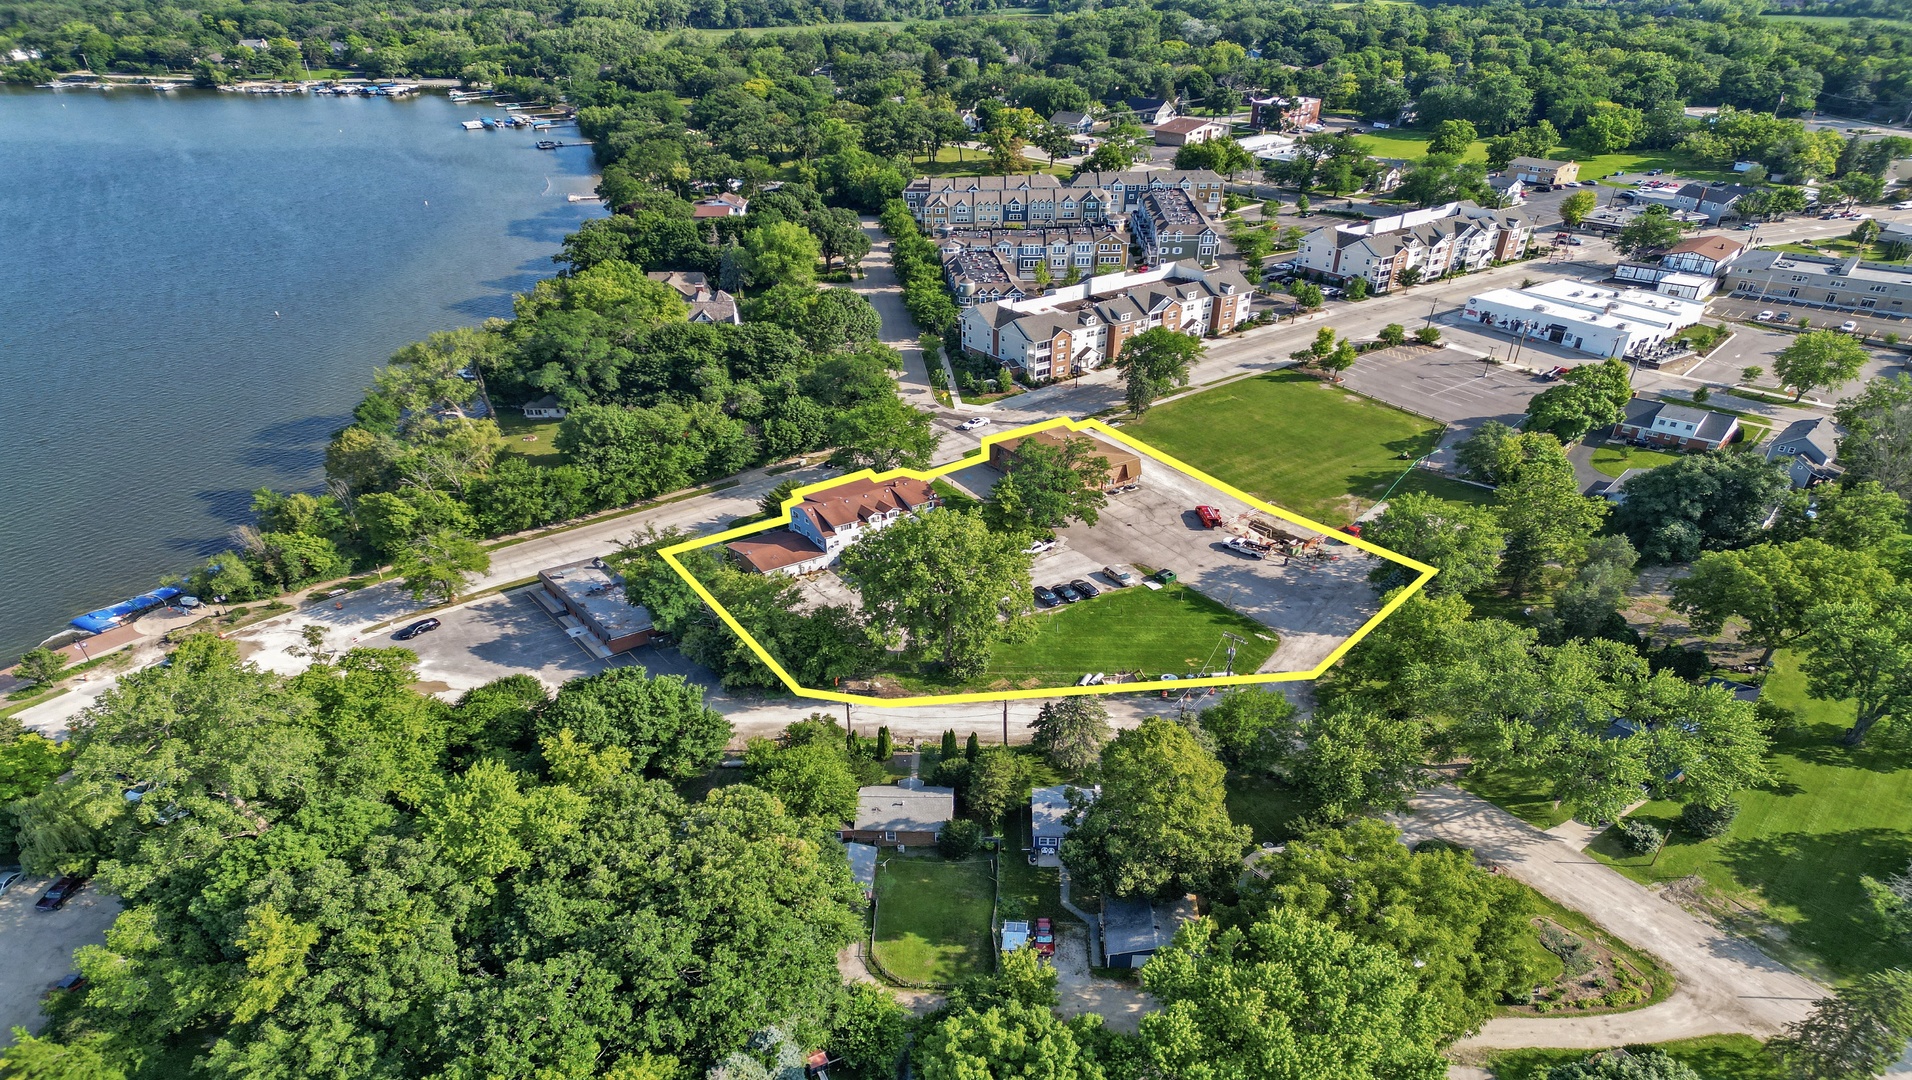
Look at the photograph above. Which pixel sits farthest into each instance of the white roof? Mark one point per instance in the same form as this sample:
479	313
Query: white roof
1590	305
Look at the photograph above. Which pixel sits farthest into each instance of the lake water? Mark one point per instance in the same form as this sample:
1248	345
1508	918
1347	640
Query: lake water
194	288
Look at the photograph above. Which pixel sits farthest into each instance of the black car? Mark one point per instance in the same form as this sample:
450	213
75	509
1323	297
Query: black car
1046	597
422	626
1088	590
1068	593
60	892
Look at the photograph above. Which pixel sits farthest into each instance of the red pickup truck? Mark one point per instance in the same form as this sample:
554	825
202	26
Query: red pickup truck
1211	517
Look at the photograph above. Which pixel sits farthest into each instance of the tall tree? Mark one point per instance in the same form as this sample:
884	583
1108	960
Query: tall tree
1154	362
1774	588
1463	542
661	722
882	434
1287	996
1070	732
943	582
1046	486
1588	397
1160	823
1819	359
1862	652
1253	728
1857	1033
1541	510
1700	502
437	567
1877	444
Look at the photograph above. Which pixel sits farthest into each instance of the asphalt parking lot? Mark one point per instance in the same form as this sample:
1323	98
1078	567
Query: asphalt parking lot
39	945
1312	604
1822	318
1453	385
507	634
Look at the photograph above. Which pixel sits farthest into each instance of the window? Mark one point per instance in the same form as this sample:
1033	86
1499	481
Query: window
889	836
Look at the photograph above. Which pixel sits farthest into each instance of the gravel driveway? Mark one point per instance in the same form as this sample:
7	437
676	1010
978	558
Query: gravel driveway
1120	1004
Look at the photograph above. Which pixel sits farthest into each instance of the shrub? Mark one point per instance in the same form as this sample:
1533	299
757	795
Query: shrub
1639	837
1427	335
959	838
1706	822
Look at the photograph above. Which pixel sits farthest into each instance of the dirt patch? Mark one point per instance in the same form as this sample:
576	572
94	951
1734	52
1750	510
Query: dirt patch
1592	979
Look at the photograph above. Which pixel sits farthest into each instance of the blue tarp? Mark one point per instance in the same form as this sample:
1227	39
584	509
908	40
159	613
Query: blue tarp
106	618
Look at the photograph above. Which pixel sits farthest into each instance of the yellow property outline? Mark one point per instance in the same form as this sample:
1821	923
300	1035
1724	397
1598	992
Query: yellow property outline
982	456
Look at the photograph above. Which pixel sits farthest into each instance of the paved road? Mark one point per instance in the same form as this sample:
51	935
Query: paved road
1726	985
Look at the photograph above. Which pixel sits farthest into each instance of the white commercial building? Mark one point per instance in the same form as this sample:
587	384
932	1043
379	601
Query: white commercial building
1585	318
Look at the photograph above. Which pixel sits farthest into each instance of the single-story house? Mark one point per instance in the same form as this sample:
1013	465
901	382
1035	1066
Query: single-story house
1049	809
1125	466
1683	426
1150	111
1187	130
1132	930
907	814
1511	188
1740	691
588	601
1812	447
1075	123
725	204
544	408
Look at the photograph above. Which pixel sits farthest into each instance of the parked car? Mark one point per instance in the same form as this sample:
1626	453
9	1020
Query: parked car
1283	266
1784	316
422	626
1068	594
1352	530
7	877
1086	588
1039	547
1046	597
1209	516
1906	205
973	423
60	892
1764	316
1122	577
70	982
1848	327
1045	937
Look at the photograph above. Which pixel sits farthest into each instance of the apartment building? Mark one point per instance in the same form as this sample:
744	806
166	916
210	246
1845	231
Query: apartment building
1533	170
1279	113
1170	227
828	521
1042	199
1081	327
1454	237
1846	284
985	265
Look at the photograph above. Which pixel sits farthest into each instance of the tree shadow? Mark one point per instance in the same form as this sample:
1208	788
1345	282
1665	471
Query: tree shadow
496	301
1820	745
1818	875
292	448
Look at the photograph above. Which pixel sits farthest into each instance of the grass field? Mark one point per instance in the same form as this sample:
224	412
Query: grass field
932	917
1300	443
1411	145
1834	20
1801	844
1028	892
1839	247
542	448
1518	792
1175	630
962	161
1715	1057
1614	460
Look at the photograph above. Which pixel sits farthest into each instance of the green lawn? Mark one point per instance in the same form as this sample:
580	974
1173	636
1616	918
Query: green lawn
533	439
1802	843
1299	443
932	917
1616	459
1715	1057
1270	808
1174	630
1028	892
962	161
1517	791
1840	247
1411	145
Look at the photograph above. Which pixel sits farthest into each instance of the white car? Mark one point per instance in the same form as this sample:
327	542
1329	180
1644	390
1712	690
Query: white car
1848	326
973	423
1906	205
1764	316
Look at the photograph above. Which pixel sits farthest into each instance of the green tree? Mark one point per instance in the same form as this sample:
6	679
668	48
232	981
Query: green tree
1352	761
998	783
1700	502
1589	396
781	253
29	762
1253	728
1160	823
1393	335
1307	295
813	779
1003	1042
1819	358
1575	207
1224	156
1877	445
1070	732
1463	542
1859	1032
1440	178
943	582
1048	486
1469	932
1154	362
40	667
1773	588
1654	230
1287	996
1544	516
882	434
1862	652
437	567
662	722
1651	1065
1861	516
1452	137
1589	606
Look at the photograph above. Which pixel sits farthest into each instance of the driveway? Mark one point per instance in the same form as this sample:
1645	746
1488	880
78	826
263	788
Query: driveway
1726	985
39	946
1120	1004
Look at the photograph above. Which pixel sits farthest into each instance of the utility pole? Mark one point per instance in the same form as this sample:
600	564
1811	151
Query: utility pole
1005	722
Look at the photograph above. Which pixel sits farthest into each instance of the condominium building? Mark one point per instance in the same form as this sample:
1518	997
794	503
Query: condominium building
1845	284
1079	328
1126	189
1169	227
1454	237
991	202
986	265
